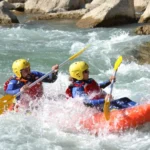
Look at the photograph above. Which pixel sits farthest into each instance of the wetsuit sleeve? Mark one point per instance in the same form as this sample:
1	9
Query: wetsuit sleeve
104	84
12	88
79	92
50	79
94	102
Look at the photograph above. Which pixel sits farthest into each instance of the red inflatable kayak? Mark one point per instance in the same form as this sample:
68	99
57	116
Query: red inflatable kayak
120	120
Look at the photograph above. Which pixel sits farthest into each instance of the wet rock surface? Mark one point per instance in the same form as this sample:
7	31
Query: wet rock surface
143	53
143	30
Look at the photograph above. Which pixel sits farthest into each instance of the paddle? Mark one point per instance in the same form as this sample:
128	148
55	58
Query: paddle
107	101
7	100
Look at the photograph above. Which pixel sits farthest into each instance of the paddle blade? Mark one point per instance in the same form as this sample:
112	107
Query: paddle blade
78	53
106	109
117	63
5	102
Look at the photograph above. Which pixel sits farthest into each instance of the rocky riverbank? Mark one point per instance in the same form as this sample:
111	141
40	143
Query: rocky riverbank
88	13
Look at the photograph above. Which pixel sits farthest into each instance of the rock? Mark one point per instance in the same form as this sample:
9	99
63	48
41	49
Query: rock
7	5
145	17
143	54
16	1
7	17
94	4
76	14
109	13
140	5
18	6
47	6
143	30
17	13
12	6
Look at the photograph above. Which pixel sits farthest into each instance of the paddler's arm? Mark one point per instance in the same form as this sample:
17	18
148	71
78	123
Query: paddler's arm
52	76
106	83
12	88
78	92
94	102
97	102
12	92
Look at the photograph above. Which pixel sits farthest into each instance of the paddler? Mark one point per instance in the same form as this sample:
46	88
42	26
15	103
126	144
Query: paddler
90	91
23	77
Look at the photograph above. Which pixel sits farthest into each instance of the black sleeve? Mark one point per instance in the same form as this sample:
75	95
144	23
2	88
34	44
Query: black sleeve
51	79
104	84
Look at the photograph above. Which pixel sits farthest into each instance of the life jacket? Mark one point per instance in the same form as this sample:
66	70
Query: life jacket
6	83
90	88
69	91
33	92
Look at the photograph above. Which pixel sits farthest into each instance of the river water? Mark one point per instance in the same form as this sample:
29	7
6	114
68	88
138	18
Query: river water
46	43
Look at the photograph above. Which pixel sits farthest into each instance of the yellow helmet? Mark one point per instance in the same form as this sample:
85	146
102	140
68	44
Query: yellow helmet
76	69
18	65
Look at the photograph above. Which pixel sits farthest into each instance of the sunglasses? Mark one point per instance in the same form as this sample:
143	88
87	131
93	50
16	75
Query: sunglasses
86	71
26	69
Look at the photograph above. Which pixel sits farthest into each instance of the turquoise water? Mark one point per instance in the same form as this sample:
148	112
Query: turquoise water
47	43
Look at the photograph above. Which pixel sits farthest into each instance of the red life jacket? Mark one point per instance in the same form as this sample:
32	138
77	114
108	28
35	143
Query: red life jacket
69	92
89	88
33	92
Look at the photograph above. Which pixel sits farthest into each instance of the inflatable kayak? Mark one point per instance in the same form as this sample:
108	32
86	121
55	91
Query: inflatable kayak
120	120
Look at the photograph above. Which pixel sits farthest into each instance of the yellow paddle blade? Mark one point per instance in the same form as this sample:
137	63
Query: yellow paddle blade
107	101
107	110
5	102
78	53
117	63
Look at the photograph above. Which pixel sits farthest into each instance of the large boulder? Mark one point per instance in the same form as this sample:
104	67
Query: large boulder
7	17
94	4
140	5
145	30
109	13
53	5
145	17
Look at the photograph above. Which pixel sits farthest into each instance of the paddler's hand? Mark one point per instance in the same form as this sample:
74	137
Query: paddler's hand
24	88
112	78
55	68
108	96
